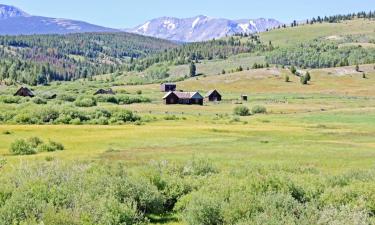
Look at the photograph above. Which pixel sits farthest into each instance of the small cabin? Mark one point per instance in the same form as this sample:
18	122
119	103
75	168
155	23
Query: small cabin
104	92
185	98
213	96
167	87
24	92
244	98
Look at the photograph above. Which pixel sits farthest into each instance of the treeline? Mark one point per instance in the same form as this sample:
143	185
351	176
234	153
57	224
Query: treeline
342	17
193	52
38	59
321	54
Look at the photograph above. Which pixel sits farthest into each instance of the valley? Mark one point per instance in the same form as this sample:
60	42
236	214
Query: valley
89	138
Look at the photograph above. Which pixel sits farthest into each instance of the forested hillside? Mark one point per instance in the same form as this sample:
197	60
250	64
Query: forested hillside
37	59
215	49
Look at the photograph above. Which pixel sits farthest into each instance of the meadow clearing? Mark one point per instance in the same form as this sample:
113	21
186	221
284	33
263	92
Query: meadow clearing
327	124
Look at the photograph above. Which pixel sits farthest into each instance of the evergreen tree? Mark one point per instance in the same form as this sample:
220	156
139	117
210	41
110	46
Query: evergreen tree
193	69
308	76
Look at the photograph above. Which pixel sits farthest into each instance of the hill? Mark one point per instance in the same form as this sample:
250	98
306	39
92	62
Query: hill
290	36
36	59
14	21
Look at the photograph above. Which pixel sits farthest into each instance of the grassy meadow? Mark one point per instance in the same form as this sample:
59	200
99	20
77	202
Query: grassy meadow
131	159
326	124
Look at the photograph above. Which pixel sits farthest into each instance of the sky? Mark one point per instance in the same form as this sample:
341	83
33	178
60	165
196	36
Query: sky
129	13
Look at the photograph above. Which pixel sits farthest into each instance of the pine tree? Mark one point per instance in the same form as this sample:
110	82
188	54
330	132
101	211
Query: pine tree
193	69
308	76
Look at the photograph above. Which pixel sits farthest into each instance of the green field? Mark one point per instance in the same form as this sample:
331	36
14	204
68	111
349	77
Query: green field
131	159
330	31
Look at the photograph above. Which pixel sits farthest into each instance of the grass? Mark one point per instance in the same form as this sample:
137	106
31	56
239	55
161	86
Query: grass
292	35
327	124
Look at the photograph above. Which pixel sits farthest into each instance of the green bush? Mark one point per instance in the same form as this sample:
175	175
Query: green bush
35	141
258	109
21	147
123	115
51	146
66	97
241	111
11	99
85	102
39	101
47	114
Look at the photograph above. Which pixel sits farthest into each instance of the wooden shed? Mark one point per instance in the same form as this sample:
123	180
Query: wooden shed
186	98
213	96
167	87
104	92
24	92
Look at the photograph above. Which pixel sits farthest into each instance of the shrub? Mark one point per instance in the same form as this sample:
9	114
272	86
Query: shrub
293	70
204	209
39	101
258	109
66	97
51	146
35	141
308	76
21	147
11	99
2	163
286	78
47	114
304	80
25	118
107	98
241	111
85	102
122	115
139	92
7	132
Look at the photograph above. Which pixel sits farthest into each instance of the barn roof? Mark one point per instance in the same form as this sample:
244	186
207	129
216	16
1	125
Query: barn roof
211	92
24	91
184	95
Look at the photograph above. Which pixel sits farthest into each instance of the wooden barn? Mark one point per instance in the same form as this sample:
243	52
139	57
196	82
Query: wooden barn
167	87
186	98
213	96
104	92
24	92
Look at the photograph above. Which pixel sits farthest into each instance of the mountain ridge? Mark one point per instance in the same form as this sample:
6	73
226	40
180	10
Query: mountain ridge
14	21
201	28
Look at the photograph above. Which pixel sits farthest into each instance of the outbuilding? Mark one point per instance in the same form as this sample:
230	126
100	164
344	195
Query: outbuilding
24	92
167	87
213	96
104	92
186	98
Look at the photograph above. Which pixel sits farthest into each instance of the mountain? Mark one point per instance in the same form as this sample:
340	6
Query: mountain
201	28
14	21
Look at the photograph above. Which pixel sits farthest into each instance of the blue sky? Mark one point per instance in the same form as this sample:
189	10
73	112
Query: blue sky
128	13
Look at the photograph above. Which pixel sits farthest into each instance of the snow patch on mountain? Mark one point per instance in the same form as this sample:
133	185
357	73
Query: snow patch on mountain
195	22
144	27
169	25
7	12
201	28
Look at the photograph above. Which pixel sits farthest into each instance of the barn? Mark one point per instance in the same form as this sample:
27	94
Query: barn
104	92
213	96
186	98
167	87
24	92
